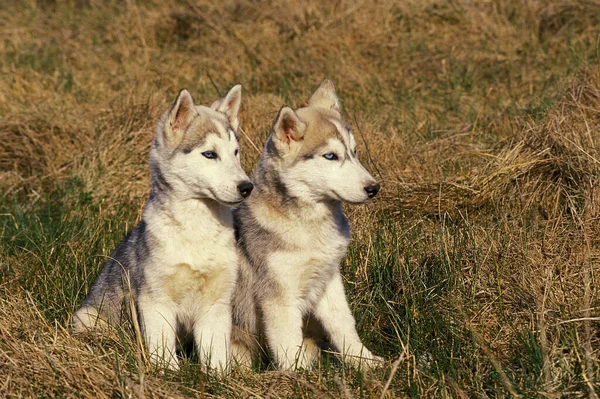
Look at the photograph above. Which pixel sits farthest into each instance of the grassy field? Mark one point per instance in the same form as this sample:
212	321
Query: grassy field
476	273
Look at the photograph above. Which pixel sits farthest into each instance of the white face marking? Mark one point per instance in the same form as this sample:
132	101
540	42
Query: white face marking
212	169
342	178
233	139
346	135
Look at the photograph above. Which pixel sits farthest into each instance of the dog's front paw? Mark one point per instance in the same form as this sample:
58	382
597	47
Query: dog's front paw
375	361
163	364
366	360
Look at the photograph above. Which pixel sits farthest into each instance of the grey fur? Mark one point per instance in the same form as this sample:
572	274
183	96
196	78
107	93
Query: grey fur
159	184
110	288
255	282
179	264
292	236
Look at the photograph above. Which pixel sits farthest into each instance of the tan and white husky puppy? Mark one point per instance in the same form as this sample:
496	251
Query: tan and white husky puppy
293	235
180	262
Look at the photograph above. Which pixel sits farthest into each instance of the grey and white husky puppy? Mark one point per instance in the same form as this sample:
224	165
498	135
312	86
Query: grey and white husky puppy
292	236
180	263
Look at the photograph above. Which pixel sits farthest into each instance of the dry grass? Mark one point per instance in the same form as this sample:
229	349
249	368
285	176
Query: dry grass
550	164
475	273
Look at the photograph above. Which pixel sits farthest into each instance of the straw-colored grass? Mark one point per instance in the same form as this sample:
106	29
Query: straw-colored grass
475	273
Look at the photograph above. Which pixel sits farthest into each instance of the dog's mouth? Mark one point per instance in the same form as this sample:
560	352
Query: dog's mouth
213	196
230	204
225	203
338	197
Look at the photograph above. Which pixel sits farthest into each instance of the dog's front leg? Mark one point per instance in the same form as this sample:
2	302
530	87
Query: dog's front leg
283	329
333	312
159	323
212	334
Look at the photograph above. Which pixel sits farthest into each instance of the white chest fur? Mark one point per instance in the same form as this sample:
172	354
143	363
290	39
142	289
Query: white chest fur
310	254
196	257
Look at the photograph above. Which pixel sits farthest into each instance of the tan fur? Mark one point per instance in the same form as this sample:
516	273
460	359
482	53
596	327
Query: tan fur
293	236
320	129
197	132
185	281
180	262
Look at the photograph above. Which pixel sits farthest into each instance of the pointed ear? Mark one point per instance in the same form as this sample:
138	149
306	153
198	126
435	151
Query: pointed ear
230	105
325	96
181	114
288	127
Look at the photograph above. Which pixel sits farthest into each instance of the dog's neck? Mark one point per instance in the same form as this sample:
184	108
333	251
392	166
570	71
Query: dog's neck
189	211
264	195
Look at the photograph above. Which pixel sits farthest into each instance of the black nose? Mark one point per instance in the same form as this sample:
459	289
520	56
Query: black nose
372	190
245	188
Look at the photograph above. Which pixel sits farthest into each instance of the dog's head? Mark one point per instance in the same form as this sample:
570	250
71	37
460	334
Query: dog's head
196	150
314	152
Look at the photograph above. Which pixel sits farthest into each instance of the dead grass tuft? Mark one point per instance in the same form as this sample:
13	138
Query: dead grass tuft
551	165
476	269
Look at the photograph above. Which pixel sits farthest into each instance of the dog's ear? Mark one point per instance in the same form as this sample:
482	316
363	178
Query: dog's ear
325	96
181	114
230	105
288	128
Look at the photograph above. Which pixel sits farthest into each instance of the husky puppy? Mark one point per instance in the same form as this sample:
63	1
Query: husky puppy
292	236
179	264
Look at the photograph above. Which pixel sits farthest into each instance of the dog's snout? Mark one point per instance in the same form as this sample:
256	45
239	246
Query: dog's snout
372	189
245	188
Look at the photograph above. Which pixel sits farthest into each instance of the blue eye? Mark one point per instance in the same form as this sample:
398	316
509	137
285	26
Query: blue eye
330	156
209	154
